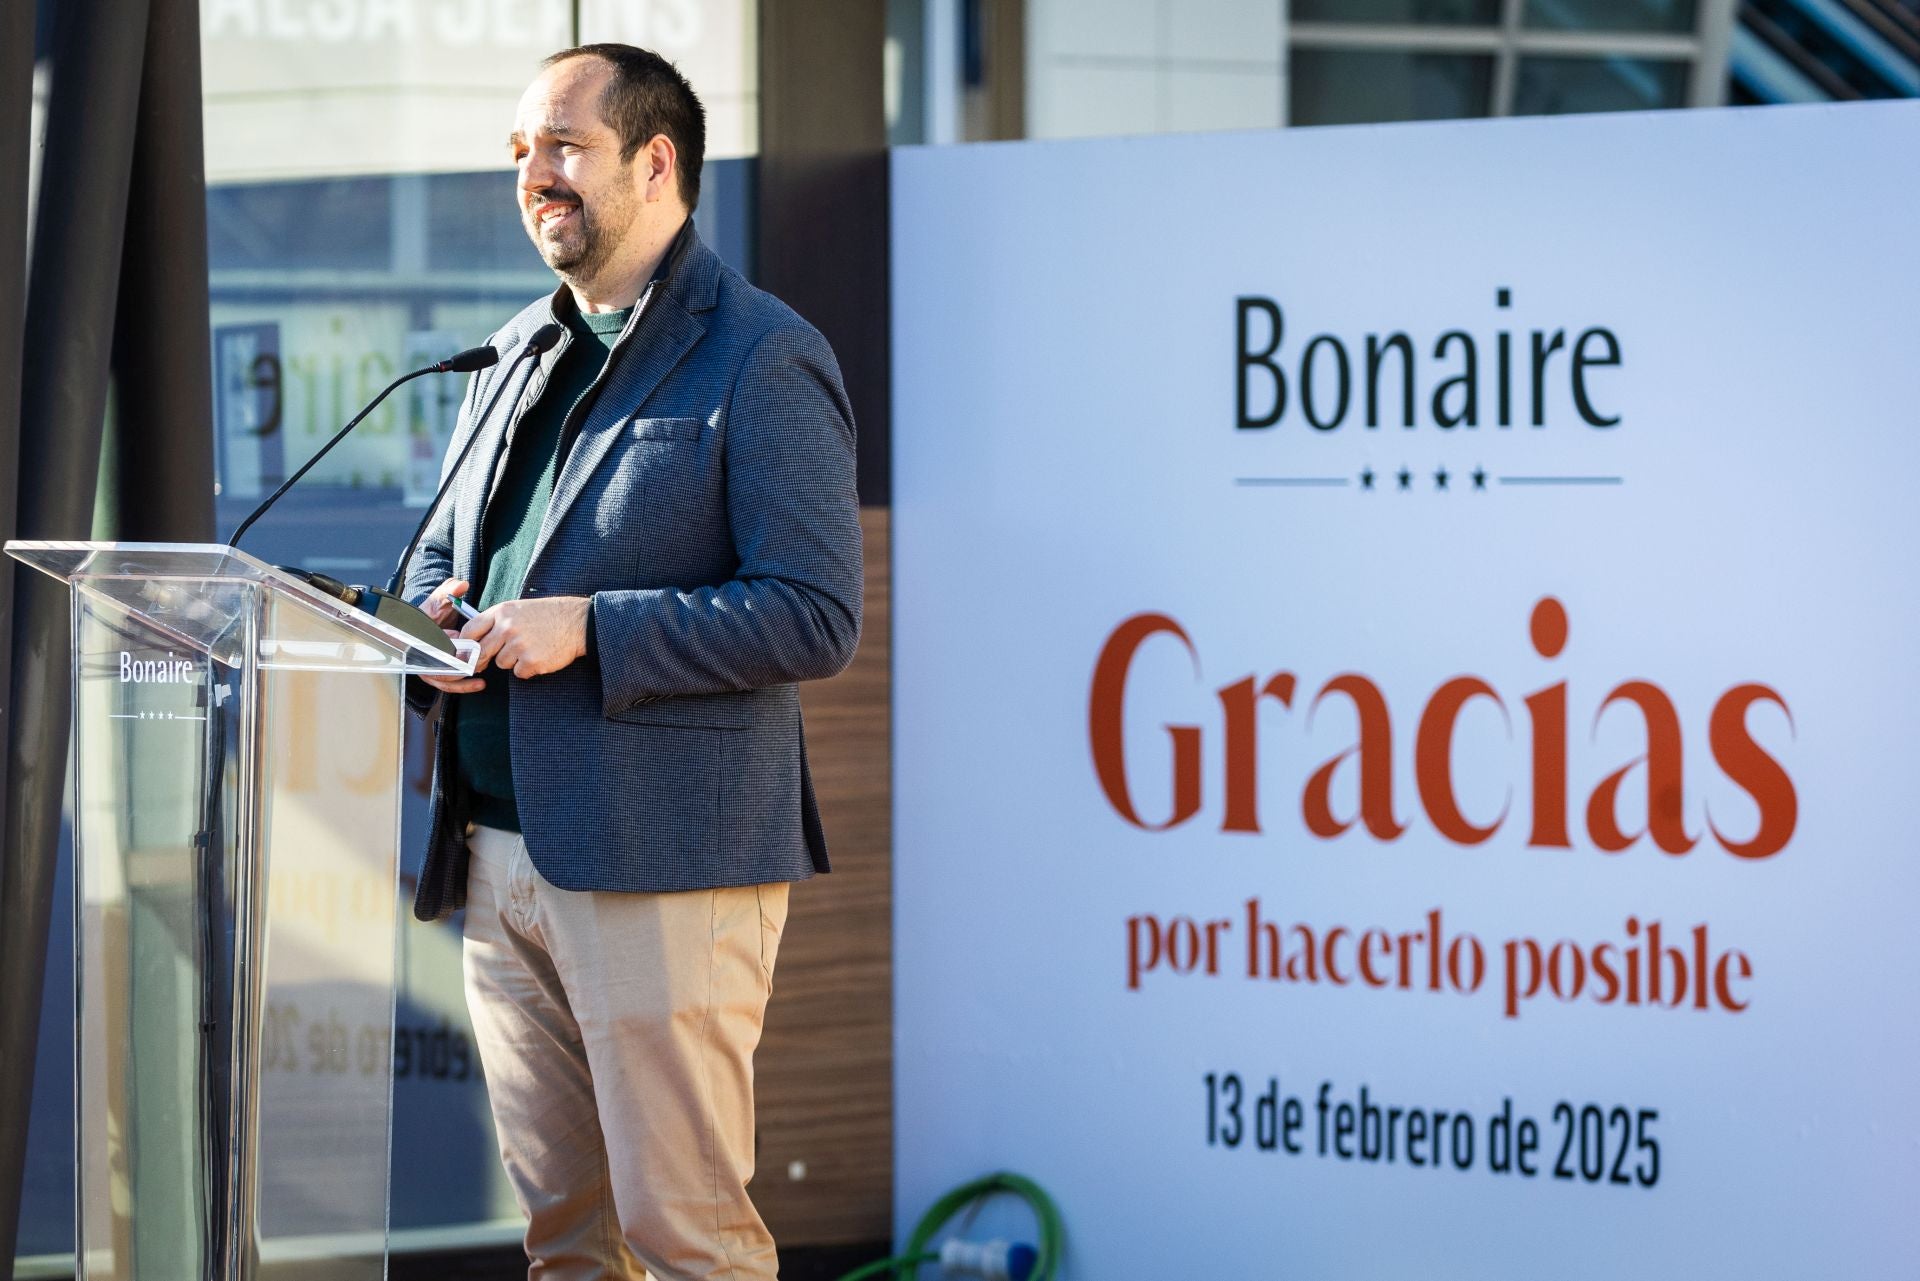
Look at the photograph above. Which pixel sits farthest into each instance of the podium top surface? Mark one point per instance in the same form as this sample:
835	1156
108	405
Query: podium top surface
208	597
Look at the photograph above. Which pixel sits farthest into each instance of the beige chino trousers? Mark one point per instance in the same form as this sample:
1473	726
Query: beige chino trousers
616	1032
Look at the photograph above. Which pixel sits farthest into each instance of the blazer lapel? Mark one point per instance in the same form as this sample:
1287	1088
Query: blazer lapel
663	337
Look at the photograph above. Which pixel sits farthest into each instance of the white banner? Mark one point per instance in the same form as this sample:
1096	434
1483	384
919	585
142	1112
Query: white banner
1403	673
317	88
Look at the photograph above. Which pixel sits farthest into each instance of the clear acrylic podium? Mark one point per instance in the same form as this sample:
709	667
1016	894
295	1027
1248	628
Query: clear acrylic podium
237	772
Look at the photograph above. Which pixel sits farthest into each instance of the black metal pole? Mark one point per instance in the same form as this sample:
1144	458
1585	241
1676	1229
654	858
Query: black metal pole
16	113
16	1051
162	358
73	282
161	483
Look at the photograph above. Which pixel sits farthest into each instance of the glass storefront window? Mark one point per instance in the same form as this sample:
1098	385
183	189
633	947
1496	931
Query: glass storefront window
1563	86
1363	86
323	291
1483	13
1612	15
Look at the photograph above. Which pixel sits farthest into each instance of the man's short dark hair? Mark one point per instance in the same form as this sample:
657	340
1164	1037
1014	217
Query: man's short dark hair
649	96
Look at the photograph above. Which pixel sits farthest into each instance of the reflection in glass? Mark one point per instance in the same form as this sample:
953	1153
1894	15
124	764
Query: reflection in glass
1446	12
334	223
1612	15
1563	86
904	66
146	1069
1354	86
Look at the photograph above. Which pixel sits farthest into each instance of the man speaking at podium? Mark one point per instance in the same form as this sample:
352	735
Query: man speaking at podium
660	535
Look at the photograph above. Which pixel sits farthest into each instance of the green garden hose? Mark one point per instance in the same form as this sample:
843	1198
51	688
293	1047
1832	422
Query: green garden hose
906	1265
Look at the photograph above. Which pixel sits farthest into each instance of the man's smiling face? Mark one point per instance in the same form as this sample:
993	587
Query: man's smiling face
578	197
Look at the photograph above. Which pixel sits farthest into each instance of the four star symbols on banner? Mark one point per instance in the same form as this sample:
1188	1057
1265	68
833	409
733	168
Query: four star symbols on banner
1405	478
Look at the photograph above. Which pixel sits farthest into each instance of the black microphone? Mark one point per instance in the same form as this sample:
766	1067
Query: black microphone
542	340
465	362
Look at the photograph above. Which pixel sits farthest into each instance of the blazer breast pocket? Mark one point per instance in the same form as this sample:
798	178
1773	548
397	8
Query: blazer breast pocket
693	711
665	428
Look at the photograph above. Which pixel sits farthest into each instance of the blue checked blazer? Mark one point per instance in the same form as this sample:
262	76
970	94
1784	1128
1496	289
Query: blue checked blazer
707	507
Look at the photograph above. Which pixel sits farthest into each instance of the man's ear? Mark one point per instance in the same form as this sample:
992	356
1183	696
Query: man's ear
661	166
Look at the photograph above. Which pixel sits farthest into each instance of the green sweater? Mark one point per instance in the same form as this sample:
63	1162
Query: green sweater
514	515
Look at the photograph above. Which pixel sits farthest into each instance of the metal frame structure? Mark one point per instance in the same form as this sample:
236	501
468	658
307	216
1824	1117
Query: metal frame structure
1704	48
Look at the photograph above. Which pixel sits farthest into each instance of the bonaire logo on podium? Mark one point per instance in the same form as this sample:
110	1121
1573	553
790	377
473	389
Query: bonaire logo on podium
170	670
1547	721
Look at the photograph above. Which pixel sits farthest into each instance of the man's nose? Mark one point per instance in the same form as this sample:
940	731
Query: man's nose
538	172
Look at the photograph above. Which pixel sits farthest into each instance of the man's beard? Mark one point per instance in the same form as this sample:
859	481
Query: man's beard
579	253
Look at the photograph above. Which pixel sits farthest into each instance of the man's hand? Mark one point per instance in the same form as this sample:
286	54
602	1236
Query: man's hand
531	637
439	607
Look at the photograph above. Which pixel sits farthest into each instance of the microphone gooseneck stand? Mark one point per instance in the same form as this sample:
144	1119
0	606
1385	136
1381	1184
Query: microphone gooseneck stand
474	358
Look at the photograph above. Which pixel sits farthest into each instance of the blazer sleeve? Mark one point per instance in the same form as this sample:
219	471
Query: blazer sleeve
792	610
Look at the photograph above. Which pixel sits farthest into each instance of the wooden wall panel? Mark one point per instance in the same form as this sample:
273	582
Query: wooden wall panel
825	1067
